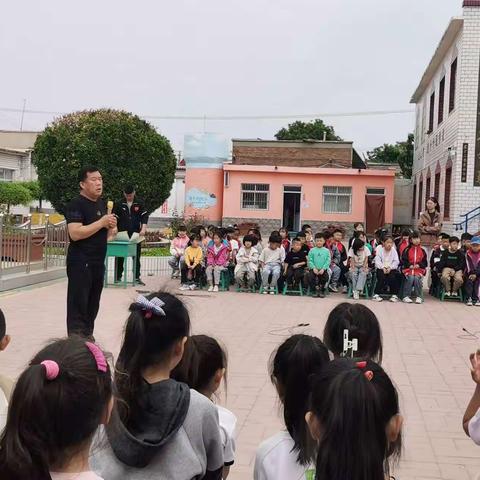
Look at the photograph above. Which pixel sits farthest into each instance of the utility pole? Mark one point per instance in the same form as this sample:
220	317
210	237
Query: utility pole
23	114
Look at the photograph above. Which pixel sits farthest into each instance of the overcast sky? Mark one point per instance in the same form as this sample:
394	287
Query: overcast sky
221	57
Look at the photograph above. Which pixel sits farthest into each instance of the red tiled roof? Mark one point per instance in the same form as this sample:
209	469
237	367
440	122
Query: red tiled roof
471	3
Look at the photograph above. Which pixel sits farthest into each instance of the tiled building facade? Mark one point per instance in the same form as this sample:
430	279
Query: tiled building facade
447	158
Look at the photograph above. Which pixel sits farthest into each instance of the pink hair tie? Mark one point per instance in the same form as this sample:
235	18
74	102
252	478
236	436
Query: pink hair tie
98	355
51	369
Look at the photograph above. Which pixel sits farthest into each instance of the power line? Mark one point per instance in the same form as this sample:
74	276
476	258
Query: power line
235	117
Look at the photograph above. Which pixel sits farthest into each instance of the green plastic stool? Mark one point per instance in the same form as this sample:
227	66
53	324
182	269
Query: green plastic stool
294	291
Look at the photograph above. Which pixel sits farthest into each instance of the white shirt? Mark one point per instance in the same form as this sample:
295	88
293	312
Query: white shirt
228	423
276	461
359	260
3	410
384	259
474	428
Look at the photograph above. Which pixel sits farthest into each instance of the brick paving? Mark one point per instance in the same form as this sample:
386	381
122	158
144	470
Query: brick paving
423	354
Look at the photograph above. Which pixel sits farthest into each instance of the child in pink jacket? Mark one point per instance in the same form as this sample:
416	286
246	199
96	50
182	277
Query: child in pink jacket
217	261
177	250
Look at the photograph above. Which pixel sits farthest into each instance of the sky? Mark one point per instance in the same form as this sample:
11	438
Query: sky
231	58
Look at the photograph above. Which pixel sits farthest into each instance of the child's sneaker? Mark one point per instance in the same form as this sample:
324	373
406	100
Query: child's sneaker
419	300
477	303
470	302
394	299
454	294
333	288
377	298
265	290
215	288
210	288
321	294
356	295
272	291
448	294
407	300
184	287
192	286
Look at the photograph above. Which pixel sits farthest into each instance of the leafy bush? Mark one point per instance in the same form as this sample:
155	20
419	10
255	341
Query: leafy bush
125	148
156	252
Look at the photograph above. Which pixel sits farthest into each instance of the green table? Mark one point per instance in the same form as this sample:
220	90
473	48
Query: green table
116	249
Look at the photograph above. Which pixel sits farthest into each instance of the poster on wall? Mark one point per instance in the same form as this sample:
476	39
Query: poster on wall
206	150
200	199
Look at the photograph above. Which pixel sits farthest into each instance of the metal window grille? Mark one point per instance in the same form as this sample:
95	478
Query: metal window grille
337	199
255	196
375	191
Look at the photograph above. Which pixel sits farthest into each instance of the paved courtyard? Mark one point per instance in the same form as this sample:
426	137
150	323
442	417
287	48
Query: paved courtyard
423	349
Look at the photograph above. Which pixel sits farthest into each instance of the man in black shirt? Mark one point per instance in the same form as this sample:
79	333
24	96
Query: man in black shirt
89	228
132	217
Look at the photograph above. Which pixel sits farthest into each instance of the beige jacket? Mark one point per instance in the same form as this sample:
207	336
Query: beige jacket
429	229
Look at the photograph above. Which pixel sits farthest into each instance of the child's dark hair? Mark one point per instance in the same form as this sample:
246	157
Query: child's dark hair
256	232
337	230
357	244
202	359
327	234
305	227
148	340
466	236
353	403
361	324
250	238
320	235
406	232
387	237
219	233
283	229
301	235
296	239
274	239
414	234
356	224
453	239
195	237
55	408
3	325
444	236
181	228
291	367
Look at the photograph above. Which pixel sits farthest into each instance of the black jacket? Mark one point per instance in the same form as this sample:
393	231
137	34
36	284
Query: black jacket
455	261
130	220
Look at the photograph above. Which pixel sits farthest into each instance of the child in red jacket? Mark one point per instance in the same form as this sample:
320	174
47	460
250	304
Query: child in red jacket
414	262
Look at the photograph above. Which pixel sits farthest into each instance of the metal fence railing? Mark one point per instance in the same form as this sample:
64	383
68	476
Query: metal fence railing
150	266
25	246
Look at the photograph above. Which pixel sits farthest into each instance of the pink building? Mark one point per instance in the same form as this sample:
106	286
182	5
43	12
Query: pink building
290	183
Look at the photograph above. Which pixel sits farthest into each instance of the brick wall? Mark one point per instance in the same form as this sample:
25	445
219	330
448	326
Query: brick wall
303	155
265	225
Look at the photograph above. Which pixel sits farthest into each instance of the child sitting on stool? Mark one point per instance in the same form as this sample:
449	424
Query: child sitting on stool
319	262
247	263
295	263
271	260
451	266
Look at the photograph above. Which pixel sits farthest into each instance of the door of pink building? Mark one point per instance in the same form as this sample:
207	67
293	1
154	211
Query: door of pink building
374	212
292	199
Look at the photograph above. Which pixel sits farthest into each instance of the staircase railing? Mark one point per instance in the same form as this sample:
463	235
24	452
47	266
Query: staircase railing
469	216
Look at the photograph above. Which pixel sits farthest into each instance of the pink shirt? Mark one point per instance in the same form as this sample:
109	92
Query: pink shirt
75	476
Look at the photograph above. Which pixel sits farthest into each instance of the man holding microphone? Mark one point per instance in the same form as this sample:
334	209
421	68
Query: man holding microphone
132	218
90	226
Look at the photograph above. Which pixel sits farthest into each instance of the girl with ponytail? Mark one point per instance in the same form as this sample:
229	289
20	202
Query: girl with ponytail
159	427
289	454
354	416
56	407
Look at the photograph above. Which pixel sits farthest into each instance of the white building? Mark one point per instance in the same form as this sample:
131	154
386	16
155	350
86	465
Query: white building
447	154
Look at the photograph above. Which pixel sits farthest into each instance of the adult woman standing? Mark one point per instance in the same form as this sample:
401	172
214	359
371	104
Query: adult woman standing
430	224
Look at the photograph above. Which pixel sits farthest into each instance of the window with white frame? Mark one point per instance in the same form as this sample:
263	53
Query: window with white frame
6	175
254	196
337	199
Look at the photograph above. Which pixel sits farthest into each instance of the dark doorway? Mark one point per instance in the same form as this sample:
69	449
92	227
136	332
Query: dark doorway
374	212
292	197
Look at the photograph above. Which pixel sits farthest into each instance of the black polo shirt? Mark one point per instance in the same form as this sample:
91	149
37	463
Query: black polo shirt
295	257
94	248
130	219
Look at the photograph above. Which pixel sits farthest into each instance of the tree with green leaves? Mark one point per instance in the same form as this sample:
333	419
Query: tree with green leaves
400	153
13	193
125	148
314	130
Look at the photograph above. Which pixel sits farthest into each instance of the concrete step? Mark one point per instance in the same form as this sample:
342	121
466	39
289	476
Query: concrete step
14	280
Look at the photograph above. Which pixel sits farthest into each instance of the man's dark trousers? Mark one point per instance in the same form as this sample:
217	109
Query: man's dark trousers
85	285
